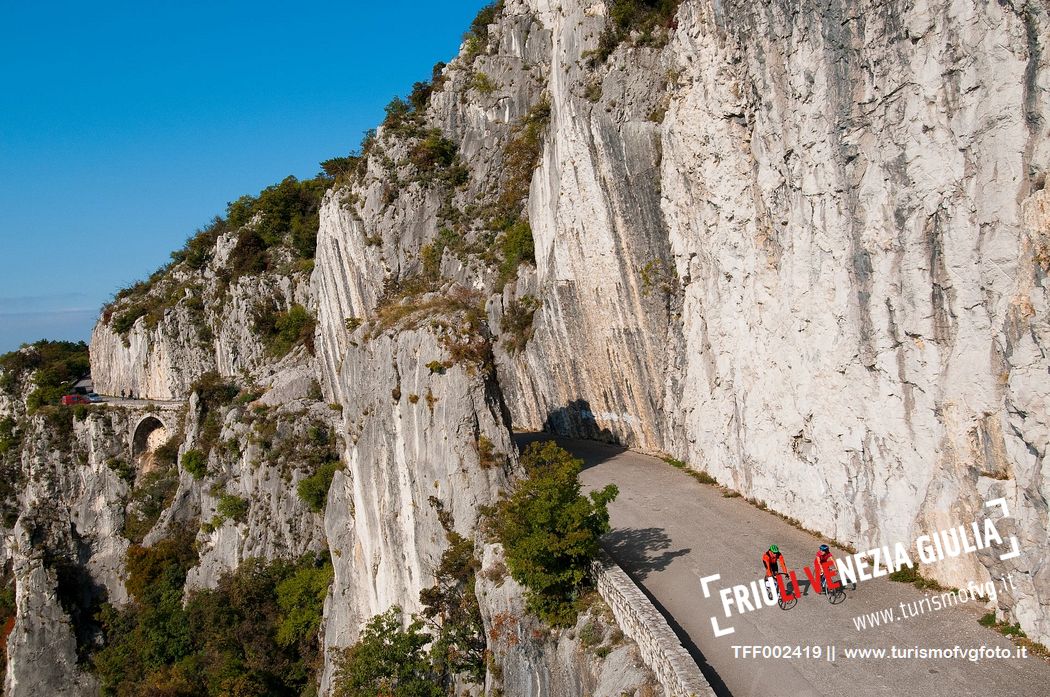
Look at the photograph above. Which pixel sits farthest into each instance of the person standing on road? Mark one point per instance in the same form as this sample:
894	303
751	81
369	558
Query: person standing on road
122	394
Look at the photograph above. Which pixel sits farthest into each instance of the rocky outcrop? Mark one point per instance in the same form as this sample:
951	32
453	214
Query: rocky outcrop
591	659
206	323
413	435
65	551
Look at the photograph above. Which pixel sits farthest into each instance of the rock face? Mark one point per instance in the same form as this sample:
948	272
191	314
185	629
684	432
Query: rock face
802	246
206	324
412	452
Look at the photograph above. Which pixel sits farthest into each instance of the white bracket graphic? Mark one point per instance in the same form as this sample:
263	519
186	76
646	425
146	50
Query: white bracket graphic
706	580
1001	503
1015	553
719	632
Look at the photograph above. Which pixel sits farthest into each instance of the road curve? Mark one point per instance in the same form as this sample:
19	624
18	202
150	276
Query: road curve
669	531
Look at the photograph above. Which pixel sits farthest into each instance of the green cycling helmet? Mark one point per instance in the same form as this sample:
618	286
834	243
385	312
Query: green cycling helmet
774	549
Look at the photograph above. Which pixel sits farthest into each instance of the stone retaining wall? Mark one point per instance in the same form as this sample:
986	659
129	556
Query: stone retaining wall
659	646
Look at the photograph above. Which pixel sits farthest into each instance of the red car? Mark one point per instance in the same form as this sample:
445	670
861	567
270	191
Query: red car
71	399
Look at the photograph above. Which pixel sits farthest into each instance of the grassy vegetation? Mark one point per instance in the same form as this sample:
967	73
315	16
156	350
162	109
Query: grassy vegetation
233	507
10	435
458	314
214	394
911	575
152	495
699	475
550	531
254	634
284	216
477	36
482	83
488	456
520	158
1015	633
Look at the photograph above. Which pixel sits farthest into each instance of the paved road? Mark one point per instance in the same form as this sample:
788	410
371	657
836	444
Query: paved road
669	531
139	403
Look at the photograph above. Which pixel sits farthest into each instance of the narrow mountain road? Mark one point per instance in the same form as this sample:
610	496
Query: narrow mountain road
669	531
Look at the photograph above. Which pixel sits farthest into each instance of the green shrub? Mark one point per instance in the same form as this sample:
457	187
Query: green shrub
195	463
233	507
300	598
451	607
482	83
313	490
10	436
123	322
433	152
908	574
200	248
647	17
520	158
168	454
517	247
283	331
550	531
590	634
122	469
254	634
432	253
214	394
388	660
477	36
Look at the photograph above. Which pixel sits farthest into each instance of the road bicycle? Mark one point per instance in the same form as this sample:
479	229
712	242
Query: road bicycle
834	595
785	603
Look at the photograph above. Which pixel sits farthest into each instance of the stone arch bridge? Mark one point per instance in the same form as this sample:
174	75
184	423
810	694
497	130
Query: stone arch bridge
151	425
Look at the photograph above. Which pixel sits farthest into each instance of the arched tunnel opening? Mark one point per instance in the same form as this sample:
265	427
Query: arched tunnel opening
150	434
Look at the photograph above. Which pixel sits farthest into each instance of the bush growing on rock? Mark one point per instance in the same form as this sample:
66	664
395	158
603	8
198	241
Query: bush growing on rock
195	463
283	331
646	17
233	507
550	531
313	490
388	660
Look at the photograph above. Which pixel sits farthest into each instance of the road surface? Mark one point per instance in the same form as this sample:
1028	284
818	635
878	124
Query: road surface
669	531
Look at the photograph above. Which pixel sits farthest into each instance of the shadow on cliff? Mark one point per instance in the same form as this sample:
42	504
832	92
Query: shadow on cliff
576	420
574	428
642	550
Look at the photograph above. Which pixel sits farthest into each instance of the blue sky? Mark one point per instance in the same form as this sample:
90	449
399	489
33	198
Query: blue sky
126	126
